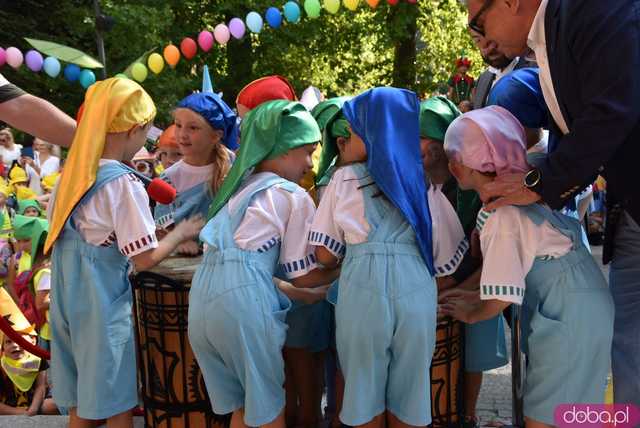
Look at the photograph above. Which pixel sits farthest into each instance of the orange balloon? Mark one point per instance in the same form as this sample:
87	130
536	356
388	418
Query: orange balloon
373	3
171	55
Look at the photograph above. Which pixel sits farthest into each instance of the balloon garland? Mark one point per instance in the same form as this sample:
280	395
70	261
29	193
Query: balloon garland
222	33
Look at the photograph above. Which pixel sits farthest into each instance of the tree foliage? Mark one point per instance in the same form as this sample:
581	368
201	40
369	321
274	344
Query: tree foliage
408	45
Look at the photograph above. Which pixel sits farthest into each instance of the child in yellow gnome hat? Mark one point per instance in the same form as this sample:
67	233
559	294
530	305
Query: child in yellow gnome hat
48	182
19	181
6	230
23	380
101	224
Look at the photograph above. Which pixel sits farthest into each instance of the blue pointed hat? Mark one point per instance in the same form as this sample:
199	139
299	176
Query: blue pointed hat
388	121
206	80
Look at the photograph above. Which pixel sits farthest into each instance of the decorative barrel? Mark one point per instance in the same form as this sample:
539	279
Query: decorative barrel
447	375
173	389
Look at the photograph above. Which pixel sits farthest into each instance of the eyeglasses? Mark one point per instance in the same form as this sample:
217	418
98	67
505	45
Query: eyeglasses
473	23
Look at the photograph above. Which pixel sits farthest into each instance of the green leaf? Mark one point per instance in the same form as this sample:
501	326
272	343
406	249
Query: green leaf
64	53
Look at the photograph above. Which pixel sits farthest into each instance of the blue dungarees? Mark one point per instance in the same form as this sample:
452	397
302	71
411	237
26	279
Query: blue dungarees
93	356
237	319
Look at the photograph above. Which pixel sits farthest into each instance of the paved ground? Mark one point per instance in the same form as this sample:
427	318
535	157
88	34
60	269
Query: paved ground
494	404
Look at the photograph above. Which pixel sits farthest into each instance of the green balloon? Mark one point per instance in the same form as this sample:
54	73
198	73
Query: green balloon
312	7
121	76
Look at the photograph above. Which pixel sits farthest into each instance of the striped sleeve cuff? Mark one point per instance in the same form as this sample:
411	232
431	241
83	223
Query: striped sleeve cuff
334	246
505	293
269	244
451	266
139	246
300	267
164	221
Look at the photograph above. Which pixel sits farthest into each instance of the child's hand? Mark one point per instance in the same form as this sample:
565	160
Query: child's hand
468	296
190	228
188	248
458	309
310	296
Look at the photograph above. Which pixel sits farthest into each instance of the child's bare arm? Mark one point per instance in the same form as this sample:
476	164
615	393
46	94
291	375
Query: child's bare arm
184	231
42	300
325	258
8	410
304	295
316	278
38	396
472	313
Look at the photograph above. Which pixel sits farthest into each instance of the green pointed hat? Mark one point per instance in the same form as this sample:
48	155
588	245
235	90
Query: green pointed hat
33	228
332	123
268	131
23	204
436	114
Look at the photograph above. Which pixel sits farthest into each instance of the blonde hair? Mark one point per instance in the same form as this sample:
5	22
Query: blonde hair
221	162
221	166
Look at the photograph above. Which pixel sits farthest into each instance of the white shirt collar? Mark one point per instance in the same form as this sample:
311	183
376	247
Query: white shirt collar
536	38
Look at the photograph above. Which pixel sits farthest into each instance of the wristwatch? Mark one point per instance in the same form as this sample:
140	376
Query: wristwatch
532	178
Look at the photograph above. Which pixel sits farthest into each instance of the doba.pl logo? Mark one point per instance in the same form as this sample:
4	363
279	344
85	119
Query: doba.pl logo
597	415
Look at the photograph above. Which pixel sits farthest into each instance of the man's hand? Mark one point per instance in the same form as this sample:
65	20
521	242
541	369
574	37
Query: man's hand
507	189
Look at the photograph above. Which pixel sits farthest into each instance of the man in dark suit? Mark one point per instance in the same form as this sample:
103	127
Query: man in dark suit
589	56
498	64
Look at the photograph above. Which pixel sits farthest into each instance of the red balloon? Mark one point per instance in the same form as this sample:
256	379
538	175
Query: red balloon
392	2
188	47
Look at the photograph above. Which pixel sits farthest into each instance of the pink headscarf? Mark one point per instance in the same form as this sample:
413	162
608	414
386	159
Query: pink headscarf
488	140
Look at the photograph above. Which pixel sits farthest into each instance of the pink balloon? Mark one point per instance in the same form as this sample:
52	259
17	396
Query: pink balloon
237	28
14	57
3	57
34	60
205	40
221	33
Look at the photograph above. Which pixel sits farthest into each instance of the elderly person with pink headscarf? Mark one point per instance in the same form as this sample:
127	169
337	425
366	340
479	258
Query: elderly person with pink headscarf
534	257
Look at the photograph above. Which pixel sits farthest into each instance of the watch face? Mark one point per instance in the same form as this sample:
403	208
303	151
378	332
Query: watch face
532	178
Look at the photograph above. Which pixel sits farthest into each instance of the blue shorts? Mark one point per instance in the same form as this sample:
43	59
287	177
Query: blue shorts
485	345
385	331
237	330
93	355
309	326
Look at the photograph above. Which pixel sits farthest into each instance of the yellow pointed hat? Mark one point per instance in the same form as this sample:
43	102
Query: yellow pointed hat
48	182
110	106
10	311
17	175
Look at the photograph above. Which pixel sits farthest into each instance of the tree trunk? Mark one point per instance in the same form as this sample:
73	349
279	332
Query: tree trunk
403	18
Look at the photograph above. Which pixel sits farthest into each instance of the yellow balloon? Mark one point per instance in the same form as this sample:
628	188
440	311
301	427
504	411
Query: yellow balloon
139	72
351	4
155	62
332	6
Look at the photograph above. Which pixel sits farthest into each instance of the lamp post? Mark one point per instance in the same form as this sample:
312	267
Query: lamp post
104	23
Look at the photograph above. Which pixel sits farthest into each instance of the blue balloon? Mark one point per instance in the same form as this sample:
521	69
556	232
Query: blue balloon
292	11
274	18
87	78
254	22
51	66
71	72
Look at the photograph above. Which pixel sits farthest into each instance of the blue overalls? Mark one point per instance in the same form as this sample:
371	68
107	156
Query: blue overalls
567	324
385	318
188	203
237	319
93	356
